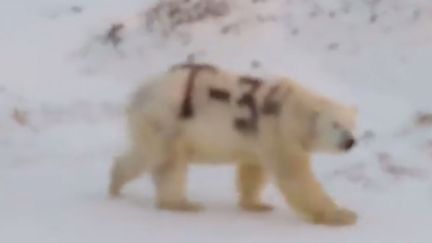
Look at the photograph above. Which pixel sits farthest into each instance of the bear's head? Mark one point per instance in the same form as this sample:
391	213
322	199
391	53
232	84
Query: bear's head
315	122
333	128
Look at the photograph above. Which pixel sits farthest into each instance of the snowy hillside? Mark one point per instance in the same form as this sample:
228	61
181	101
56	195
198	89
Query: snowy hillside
64	81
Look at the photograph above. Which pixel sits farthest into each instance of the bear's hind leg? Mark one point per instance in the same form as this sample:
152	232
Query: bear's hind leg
170	179
125	168
251	181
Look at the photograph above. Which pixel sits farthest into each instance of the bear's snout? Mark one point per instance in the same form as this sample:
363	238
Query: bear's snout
348	143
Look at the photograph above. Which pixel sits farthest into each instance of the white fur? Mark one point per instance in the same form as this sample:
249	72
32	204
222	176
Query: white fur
164	143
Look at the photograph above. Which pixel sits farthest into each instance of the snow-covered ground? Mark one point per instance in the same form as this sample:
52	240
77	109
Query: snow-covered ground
62	89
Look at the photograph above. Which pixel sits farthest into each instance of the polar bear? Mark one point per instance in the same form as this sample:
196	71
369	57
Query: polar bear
268	128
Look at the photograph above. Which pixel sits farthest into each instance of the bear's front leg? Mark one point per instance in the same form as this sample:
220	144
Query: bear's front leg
305	194
170	178
251	181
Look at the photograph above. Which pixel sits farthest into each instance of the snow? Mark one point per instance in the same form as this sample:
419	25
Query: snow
61	121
